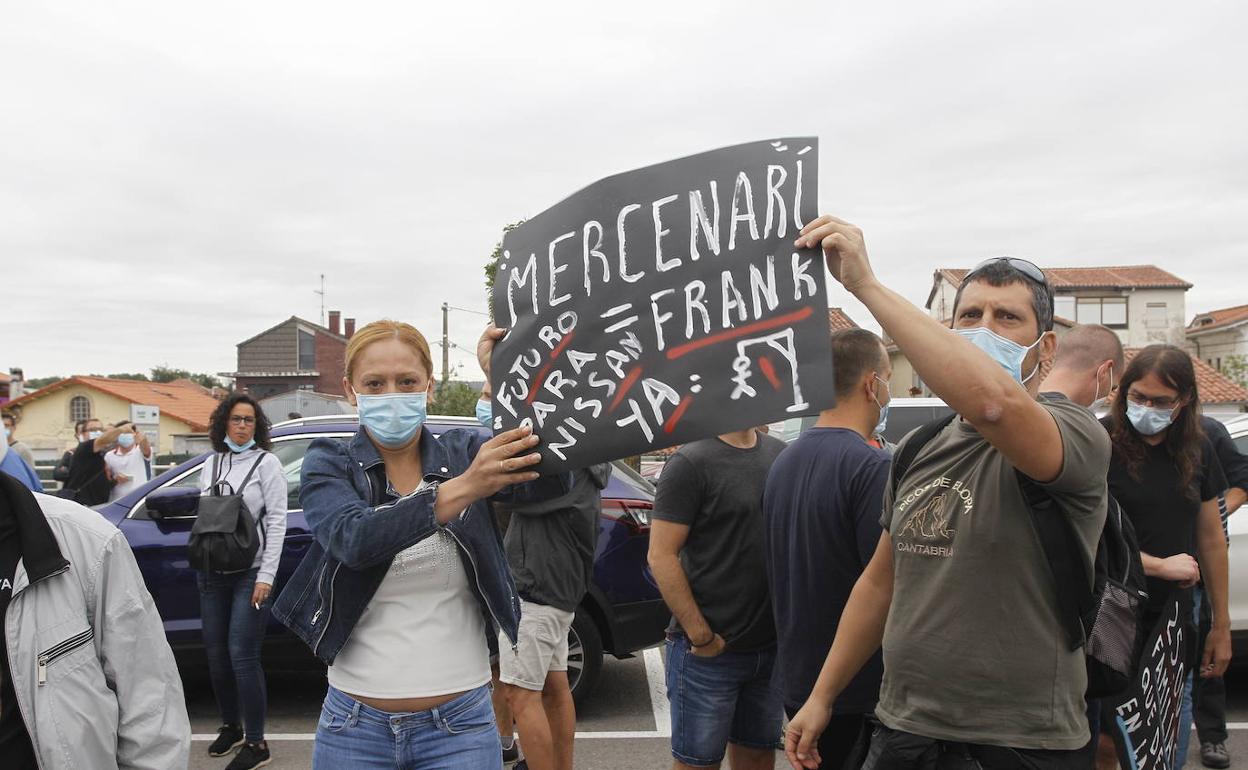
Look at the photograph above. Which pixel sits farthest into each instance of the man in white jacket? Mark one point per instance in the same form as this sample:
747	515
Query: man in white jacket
87	678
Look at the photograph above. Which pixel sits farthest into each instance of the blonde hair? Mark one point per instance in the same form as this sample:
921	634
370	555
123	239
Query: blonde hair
383	330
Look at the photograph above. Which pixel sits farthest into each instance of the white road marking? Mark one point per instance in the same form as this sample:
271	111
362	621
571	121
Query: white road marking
656	677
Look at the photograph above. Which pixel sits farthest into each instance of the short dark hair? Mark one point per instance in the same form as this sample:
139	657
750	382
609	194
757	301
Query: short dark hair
78	426
854	353
220	419
10	416
1000	272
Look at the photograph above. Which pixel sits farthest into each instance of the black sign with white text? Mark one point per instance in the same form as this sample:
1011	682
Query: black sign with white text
1145	722
665	305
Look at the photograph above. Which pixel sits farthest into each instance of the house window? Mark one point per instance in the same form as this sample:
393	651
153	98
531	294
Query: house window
307	351
79	408
1107	311
1064	307
1155	315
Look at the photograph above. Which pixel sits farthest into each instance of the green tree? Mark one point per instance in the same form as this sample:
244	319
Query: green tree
454	398
167	374
491	267
40	382
1236	369
127	377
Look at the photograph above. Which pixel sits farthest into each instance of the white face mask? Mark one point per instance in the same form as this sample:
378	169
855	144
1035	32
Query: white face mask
1100	402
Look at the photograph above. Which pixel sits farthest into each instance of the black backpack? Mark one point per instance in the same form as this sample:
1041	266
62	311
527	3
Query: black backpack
224	538
1106	621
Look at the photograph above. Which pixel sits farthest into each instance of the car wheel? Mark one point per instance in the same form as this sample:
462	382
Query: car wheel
584	656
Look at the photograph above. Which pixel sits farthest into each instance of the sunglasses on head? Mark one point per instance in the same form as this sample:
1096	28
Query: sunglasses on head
1021	265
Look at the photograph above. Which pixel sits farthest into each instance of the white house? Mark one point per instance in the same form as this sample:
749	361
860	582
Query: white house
1215	336
1142	303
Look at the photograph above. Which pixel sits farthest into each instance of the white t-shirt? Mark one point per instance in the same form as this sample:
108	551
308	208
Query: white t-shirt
132	464
422	635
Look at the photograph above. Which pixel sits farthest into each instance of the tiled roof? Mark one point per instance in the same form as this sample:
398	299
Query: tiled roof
1115	277
1213	386
1218	319
183	401
838	320
4	377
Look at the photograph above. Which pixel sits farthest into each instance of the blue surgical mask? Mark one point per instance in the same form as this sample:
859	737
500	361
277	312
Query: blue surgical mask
92	435
485	412
392	419
236	448
1149	420
1008	353
125	440
883	423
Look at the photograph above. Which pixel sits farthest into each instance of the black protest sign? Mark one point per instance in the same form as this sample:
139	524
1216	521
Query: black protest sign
1145	719
664	305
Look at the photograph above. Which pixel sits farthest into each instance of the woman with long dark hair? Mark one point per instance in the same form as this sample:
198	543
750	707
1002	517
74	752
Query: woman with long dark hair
1166	477
235	605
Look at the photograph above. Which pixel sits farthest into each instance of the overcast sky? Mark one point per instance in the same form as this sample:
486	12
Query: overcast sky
174	178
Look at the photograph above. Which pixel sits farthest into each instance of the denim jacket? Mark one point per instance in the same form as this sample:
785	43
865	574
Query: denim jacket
359	525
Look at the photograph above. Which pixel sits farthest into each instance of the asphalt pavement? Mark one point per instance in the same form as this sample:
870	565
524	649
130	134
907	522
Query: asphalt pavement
622	727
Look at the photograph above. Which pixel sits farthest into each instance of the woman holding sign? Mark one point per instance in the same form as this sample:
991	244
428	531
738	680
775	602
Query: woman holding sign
1166	477
407	570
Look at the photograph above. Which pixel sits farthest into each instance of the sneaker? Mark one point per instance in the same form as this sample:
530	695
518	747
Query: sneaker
1215	755
511	750
249	756
229	737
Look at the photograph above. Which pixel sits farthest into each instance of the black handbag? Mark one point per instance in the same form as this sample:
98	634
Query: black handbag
225	537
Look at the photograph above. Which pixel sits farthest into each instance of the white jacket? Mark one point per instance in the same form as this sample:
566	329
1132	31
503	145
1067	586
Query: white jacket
93	674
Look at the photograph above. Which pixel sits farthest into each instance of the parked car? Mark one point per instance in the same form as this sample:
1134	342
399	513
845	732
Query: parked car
622	613
904	415
1237	529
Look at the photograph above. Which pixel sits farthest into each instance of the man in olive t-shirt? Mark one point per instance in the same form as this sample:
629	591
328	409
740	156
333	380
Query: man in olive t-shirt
976	666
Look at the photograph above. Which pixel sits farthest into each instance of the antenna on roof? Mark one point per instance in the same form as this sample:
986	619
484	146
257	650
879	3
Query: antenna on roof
321	292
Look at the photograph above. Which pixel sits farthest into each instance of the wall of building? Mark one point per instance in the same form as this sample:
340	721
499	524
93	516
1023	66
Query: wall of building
1139	334
48	430
275	351
1215	347
330	358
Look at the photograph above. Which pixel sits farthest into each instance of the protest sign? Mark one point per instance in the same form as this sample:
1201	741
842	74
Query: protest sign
1145	719
664	305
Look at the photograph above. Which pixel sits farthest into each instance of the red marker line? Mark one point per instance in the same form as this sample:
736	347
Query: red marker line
769	372
670	425
732	334
628	382
540	379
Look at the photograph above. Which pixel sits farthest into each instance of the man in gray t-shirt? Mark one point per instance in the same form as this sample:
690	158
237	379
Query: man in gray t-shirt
959	591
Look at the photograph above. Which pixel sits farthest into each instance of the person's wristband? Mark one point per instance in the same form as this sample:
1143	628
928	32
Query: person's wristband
704	644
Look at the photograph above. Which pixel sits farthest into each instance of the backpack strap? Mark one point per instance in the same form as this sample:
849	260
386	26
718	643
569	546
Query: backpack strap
913	444
1062	552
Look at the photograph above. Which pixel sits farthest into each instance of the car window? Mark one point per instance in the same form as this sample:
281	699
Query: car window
291	454
289	451
903	419
1241	443
632	478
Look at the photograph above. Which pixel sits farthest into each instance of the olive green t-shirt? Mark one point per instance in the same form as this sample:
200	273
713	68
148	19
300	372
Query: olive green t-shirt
973	649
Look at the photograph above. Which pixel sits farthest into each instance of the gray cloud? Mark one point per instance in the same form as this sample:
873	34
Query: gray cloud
173	180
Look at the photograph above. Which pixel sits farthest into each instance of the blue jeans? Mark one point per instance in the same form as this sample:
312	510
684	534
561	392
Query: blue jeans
458	735
233	633
715	701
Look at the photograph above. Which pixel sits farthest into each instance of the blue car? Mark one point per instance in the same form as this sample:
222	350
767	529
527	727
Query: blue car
622	613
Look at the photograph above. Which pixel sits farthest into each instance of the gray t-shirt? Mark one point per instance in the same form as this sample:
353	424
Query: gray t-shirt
973	649
717	491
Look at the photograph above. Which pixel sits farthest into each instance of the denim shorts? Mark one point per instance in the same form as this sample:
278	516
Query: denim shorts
716	701
458	735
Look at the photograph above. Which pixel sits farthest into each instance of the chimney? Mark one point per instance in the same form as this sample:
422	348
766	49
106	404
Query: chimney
349	330
334	315
17	380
